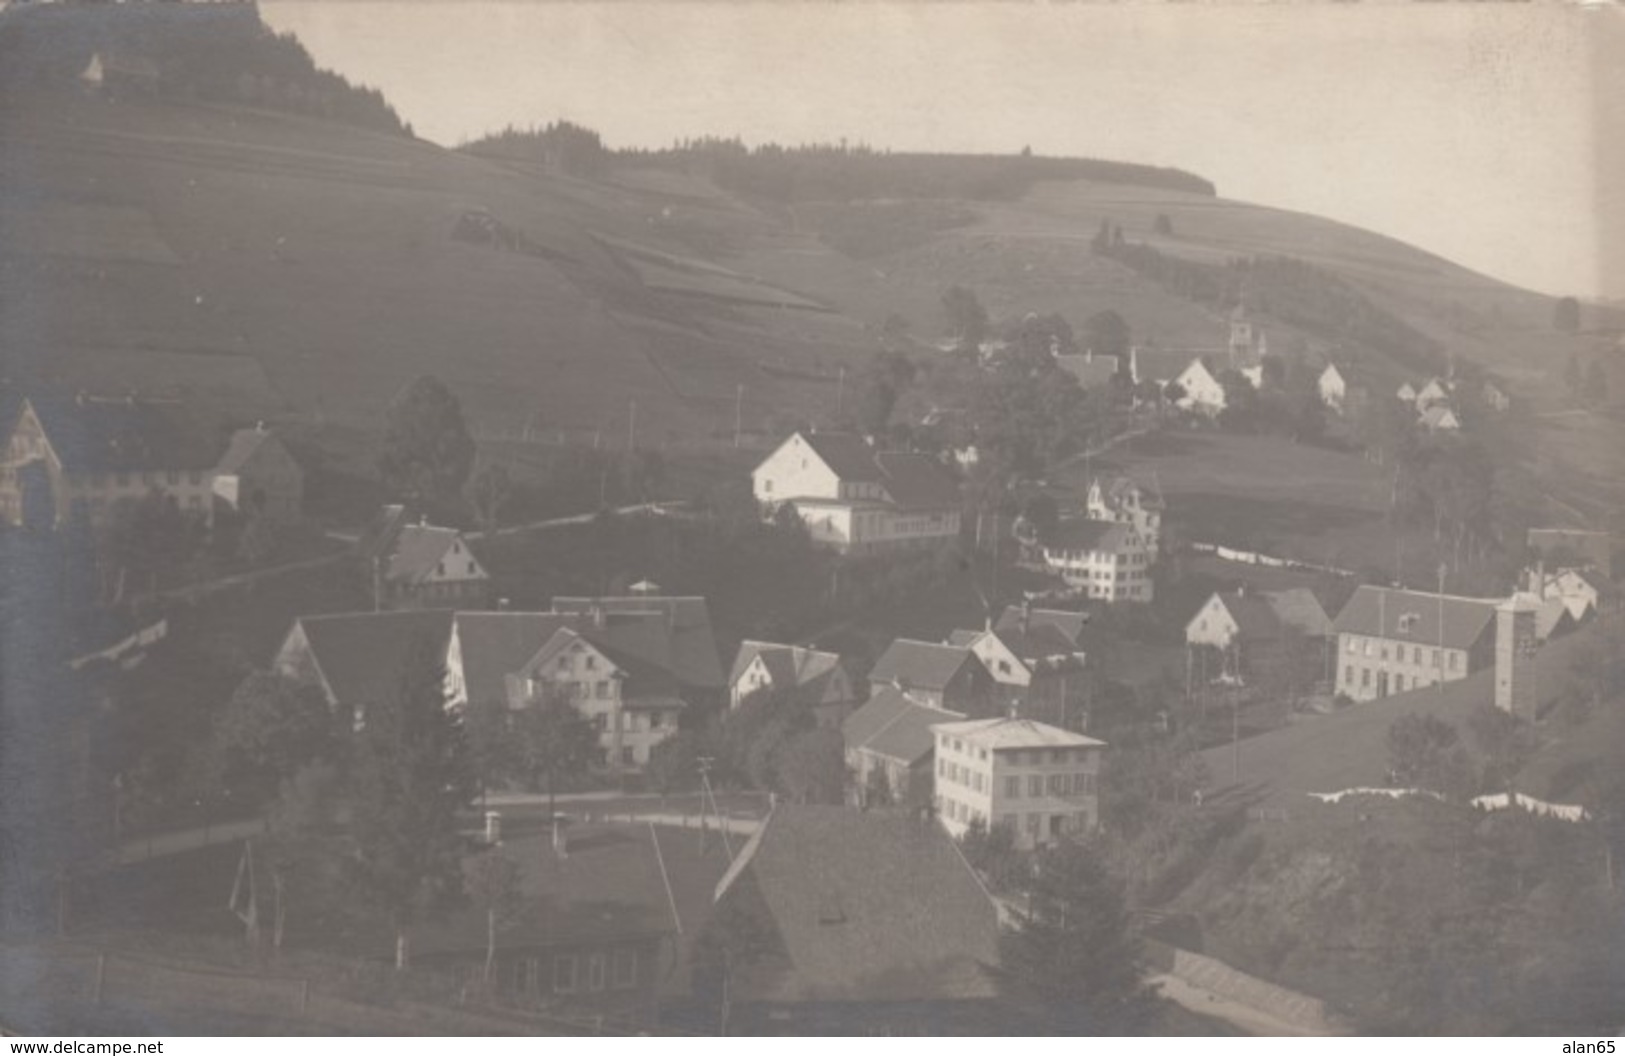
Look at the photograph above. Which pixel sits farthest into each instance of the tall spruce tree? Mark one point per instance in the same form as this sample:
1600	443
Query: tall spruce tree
1072	962
412	777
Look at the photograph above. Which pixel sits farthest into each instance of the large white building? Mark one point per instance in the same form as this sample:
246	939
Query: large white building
1105	560
856	499
1039	780
1393	641
1123	500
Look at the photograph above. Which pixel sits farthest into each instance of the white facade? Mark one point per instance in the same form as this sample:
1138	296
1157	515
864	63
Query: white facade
1202	391
1039	780
1116	569
1333	388
1212	625
1126	503
572	668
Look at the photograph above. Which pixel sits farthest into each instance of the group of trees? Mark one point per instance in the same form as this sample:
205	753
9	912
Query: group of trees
1447	484
572	148
770	742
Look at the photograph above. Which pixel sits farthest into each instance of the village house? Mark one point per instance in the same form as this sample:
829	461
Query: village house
840	921
1122	499
116	74
597	930
889	748
258	475
417	565
1439	418
943	676
1495	398
1039	780
1392	641
1036	670
1245	627
633	704
1433	394
1406	393
806	678
630	670
1333	388
1582	591
856	499
1199	390
78	459
1104	560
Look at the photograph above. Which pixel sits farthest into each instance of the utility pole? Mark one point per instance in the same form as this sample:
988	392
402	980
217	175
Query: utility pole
840	388
1440	651
632	428
739	412
708	796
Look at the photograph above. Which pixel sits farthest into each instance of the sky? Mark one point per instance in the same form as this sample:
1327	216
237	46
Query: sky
1485	133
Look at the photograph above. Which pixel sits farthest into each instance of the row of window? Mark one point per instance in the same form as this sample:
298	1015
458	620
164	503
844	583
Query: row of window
1035	823
1373	647
961	775
954	810
573	973
1081	783
172	478
1397	680
954	744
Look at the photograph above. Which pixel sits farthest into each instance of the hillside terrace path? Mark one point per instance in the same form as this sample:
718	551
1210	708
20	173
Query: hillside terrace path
658	508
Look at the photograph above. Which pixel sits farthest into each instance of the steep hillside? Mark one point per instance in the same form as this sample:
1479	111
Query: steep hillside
283	260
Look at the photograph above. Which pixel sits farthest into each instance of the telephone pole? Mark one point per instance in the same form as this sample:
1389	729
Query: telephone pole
739	412
632	428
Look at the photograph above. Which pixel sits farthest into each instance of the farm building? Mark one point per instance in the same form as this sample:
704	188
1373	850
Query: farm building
889	747
258	474
856	499
1392	641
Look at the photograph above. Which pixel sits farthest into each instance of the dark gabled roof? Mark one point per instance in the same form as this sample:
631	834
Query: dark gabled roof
1378	612
607	888
244	443
1164	364
808	674
913	664
103	435
1083	533
1298	608
1254	616
847	454
1038	643
644	681
417	550
360	654
671	632
916	481
1068	624
496	644
874	905
894	725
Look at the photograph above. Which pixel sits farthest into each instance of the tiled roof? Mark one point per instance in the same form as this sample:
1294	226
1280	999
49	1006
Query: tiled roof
1379	612
847	454
794	667
1161	365
916	481
1083	533
102	435
418	549
1299	608
1254	616
244	442
680	640
894	725
1068	624
874	905
1001	733
496	644
608	887
913	664
360	654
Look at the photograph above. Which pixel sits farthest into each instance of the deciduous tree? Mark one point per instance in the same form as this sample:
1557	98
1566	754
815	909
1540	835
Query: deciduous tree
427	451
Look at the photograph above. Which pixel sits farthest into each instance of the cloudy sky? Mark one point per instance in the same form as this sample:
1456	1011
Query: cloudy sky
1473	130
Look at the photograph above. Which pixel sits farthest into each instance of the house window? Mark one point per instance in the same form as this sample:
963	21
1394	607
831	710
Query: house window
1035	824
1455	661
1370	648
595	971
527	976
1012	787
1058	784
1348	675
1035	785
564	663
1083	783
625	967
564	974
440	569
601	690
627	759
1436	658
767	487
1365	678
1353	644
592	662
